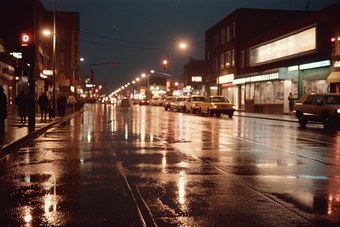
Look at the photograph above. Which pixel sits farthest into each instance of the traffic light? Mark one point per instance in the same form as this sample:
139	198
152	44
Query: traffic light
165	64
25	39
112	65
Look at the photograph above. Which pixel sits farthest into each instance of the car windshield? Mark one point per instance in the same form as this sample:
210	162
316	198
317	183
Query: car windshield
220	99
198	98
332	99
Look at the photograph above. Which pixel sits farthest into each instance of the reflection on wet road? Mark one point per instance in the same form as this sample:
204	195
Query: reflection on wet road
183	170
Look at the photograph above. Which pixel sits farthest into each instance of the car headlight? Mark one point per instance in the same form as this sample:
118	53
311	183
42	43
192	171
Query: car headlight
234	107
214	106
338	111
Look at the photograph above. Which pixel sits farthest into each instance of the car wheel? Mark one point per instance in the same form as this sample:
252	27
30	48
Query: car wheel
302	121
327	122
184	109
230	115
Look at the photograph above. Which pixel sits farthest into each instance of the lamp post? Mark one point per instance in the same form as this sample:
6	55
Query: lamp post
53	59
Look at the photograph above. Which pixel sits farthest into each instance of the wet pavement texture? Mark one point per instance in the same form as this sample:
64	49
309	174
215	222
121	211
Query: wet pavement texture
143	166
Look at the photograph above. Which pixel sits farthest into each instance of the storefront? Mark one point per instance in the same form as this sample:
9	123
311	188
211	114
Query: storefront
334	78
269	92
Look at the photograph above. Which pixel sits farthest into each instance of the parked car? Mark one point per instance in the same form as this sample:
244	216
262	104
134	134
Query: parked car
143	101
177	103
167	102
181	103
194	103
157	101
125	102
319	107
217	105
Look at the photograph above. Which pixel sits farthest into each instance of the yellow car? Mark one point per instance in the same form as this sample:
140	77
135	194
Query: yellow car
217	105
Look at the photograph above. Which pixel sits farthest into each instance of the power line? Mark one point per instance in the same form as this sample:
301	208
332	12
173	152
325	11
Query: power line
131	47
127	41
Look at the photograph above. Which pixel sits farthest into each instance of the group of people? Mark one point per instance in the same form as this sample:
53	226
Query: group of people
44	103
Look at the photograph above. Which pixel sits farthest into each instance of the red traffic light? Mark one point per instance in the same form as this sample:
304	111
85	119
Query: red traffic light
25	39
165	64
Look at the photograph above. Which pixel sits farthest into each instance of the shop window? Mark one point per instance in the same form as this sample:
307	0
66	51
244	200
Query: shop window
270	92
250	92
315	86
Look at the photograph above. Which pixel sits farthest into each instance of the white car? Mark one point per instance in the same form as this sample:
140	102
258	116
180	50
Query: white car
175	104
157	101
194	103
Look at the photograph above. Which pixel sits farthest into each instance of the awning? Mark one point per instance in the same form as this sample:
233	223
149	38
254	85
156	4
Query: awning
334	77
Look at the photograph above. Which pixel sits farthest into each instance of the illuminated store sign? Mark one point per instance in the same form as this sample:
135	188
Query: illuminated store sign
226	79
337	64
271	76
315	65
292	45
196	79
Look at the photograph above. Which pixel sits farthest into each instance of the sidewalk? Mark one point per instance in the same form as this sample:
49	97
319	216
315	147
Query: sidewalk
15	133
278	117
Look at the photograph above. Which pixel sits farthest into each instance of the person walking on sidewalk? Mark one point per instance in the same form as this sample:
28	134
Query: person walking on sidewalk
43	103
71	101
62	105
22	102
3	107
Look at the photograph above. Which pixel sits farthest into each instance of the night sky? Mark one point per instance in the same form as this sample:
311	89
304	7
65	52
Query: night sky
139	34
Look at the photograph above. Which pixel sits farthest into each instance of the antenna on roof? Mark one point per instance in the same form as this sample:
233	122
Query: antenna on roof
307	5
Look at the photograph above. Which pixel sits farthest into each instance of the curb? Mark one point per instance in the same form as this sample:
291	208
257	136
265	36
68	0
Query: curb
9	148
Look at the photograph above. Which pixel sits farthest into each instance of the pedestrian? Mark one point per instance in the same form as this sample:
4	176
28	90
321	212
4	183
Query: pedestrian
3	107
291	101
22	102
62	105
43	103
71	101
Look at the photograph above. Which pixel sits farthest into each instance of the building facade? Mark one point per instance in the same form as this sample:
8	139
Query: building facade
257	63
38	53
194	78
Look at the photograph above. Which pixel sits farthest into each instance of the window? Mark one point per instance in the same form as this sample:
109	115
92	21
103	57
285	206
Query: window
228	33
234	29
227	60
318	100
309	100
216	40
315	86
249	92
232	57
242	59
222	61
267	92
222	36
247	58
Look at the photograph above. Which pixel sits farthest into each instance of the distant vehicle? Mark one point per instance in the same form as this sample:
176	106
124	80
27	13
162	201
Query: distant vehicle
157	101
194	103
217	105
319	107
125	102
167	102
175	104
143	101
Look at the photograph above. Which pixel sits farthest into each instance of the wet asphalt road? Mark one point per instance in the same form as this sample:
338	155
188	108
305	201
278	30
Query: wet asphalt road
143	166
